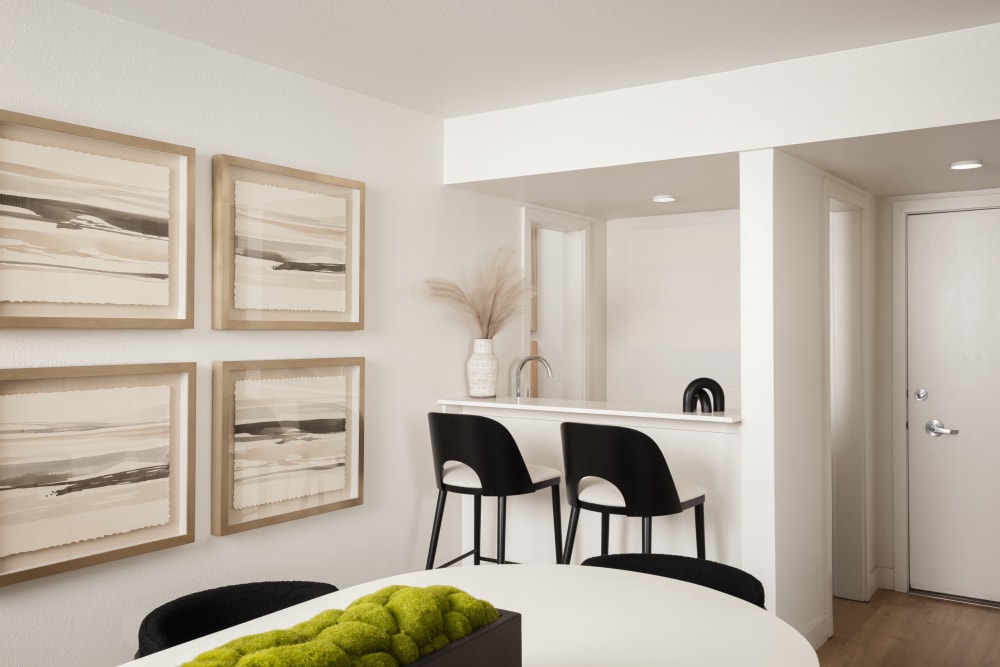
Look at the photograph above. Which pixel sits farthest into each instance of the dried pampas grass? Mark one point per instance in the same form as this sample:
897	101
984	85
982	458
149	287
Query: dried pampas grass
493	299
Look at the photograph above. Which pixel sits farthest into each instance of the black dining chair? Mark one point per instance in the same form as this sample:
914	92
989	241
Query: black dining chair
204	612
711	574
620	470
478	456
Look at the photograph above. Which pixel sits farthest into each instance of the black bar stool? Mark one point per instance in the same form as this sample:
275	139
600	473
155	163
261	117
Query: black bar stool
477	456
619	470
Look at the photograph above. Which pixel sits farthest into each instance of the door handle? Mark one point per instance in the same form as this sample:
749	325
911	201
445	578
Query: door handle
934	428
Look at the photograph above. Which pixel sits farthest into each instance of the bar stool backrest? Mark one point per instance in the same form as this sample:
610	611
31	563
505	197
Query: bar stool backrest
204	612
483	444
627	458
724	578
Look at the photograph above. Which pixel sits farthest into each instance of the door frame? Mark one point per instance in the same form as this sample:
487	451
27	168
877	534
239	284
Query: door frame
902	208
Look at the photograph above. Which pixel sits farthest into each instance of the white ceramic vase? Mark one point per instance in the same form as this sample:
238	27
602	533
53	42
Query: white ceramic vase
482	369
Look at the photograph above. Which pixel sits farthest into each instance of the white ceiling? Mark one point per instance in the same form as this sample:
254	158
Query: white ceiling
455	57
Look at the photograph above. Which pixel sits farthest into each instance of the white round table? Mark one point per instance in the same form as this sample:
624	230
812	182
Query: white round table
579	616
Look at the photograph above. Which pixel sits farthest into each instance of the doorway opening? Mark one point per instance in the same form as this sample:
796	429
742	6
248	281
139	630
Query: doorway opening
849	416
555	252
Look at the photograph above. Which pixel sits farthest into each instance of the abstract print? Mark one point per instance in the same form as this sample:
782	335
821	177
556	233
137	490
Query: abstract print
290	249
81	465
290	439
78	227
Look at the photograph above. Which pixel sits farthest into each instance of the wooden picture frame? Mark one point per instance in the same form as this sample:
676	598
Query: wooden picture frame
96	228
288	440
96	464
288	248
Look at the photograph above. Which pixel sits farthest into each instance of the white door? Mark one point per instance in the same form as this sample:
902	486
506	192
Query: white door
953	357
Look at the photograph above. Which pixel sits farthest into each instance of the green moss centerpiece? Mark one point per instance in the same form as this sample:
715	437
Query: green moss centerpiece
394	626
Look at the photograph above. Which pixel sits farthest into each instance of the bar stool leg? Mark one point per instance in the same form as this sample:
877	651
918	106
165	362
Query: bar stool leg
647	534
436	529
477	527
557	521
699	528
605	529
501	529
574	516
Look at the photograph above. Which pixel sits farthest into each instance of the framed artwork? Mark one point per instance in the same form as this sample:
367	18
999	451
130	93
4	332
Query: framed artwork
96	464
287	440
288	248
96	228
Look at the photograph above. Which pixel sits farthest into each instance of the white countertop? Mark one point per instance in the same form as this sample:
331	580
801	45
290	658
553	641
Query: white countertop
608	408
581	616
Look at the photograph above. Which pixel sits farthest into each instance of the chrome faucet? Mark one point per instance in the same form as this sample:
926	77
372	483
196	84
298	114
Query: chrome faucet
520	366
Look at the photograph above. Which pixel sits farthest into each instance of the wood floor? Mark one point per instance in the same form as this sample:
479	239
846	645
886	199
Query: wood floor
902	630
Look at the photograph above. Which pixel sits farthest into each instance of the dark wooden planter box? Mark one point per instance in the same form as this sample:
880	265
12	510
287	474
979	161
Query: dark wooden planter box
495	645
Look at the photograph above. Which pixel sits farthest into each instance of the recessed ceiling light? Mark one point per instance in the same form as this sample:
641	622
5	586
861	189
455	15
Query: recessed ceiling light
967	164
663	199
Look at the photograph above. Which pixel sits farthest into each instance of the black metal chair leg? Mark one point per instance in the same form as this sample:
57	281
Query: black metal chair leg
605	530
647	534
574	516
436	529
501	529
699	529
477	527
557	521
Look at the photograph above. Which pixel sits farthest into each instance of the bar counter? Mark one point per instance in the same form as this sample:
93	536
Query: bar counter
701	448
600	408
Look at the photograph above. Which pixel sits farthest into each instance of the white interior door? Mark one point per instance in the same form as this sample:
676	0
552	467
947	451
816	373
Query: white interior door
953	359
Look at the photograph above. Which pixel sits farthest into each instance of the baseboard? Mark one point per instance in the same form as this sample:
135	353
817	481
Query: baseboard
884	577
819	631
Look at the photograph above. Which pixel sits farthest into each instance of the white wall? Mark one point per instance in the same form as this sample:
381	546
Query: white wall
903	85
66	63
757	368
785	388
801	398
673	306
